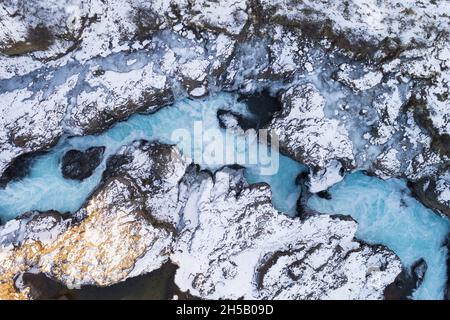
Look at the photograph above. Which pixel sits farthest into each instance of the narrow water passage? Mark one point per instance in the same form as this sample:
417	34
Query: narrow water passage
388	214
385	210
46	189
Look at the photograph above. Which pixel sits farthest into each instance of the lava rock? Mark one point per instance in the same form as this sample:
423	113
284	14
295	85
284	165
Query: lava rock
18	169
79	165
275	256
306	134
142	215
156	168
427	192
324	195
406	282
448	268
42	287
262	106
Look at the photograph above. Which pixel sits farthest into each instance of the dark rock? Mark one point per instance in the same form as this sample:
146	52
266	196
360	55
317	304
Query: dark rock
324	195
78	165
424	190
18	169
113	164
263	106
302	209
406	282
42	287
440	142
301	178
147	22
156	285
39	38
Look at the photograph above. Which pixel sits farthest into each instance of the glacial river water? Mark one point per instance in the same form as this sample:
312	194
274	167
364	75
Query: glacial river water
386	211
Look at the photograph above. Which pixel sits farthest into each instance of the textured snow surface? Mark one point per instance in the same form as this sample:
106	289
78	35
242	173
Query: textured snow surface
369	20
235	244
102	249
379	71
310	137
363	85
224	234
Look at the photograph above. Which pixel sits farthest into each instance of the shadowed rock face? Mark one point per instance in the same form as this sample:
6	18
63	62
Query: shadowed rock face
384	93
101	244
38	38
406	282
360	88
427	191
153	207
79	165
261	107
18	169
156	285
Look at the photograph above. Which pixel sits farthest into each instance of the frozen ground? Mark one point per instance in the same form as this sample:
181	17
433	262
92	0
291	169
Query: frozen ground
362	85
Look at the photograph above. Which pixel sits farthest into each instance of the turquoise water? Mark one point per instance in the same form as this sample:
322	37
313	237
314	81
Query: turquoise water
45	188
388	214
385	210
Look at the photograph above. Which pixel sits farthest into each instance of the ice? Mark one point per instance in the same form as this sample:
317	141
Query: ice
385	210
46	189
285	191
388	214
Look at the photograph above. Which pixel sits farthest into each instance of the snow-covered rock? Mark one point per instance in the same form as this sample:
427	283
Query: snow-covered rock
31	121
235	244
368	21
306	134
125	229
225	236
102	248
114	96
379	70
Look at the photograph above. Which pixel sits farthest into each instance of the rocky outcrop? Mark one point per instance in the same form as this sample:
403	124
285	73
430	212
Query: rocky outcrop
448	268
156	169
362	85
116	96
434	194
79	165
234	244
31	121
156	285
225	236
113	237
372	78
307	135
406	282
103	248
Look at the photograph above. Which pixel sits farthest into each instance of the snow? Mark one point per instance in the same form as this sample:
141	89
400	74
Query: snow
370	20
325	178
222	256
305	132
365	82
387	213
108	60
